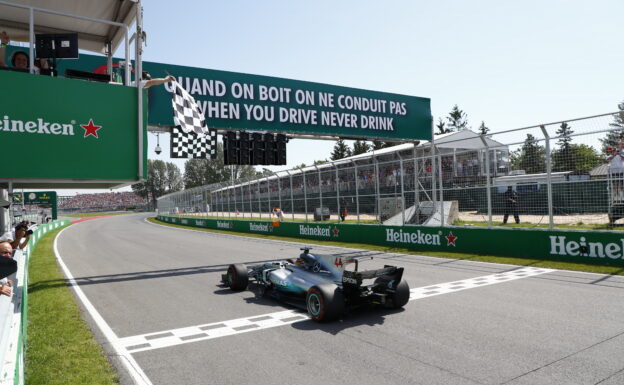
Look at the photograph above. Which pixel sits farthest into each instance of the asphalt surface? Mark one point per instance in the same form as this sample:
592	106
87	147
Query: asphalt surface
559	327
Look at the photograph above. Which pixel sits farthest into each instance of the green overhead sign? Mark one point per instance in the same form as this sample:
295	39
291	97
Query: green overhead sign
39	198
239	101
69	130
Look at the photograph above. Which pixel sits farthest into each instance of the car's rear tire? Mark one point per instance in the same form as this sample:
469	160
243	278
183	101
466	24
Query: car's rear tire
237	277
325	302
400	296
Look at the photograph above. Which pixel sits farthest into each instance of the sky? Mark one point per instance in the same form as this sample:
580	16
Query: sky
508	63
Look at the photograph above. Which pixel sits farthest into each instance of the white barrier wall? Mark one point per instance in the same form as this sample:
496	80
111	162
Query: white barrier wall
13	311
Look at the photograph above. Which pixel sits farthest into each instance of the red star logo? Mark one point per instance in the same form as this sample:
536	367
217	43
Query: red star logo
90	129
336	231
450	239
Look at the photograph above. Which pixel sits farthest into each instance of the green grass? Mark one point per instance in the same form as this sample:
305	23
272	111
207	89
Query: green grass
60	346
87	215
459	256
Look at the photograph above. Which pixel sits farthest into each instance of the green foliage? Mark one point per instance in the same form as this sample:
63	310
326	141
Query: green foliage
613	138
483	129
360	147
441	126
162	178
578	158
341	150
531	157
457	119
201	172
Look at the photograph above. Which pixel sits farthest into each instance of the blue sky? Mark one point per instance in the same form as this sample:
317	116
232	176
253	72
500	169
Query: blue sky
509	63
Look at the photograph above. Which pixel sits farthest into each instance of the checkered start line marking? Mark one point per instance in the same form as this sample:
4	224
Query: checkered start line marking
163	339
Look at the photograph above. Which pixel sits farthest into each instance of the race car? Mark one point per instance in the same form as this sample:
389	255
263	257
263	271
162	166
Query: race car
321	284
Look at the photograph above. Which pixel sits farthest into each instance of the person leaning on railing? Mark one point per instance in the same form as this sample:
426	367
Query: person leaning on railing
21	236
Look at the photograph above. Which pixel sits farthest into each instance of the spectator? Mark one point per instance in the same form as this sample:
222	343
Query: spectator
278	213
343	210
616	169
8	266
511	205
21	236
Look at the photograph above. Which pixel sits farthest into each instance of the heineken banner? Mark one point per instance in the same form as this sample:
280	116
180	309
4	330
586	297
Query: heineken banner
71	130
601	248
231	100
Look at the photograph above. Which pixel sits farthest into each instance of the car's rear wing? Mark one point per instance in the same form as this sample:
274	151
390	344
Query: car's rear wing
355	278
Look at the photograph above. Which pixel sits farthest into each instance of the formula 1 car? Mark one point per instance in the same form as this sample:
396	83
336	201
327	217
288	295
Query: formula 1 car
320	284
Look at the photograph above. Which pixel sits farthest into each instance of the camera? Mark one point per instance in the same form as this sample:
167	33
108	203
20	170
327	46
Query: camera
158	150
29	232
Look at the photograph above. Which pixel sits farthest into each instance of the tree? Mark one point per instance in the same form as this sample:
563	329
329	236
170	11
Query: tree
457	119
201	172
360	147
614	137
563	158
441	126
341	150
586	157
162	178
531	157
483	130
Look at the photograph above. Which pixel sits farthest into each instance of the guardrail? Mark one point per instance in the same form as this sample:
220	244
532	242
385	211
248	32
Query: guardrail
14	309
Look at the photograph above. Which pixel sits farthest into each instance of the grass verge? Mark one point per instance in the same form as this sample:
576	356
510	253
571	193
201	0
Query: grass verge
88	215
60	346
460	256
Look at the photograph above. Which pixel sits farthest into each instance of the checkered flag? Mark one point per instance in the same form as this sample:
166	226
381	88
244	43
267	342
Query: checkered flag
192	145
186	113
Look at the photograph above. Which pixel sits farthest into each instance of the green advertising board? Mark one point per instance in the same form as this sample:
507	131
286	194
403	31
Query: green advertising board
597	247
67	132
241	101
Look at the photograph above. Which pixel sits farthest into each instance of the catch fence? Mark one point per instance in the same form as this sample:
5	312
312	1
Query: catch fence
559	174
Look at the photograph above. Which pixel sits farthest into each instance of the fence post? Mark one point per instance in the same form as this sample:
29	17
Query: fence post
292	200
416	186
320	186
269	194
487	179
259	203
377	191
279	191
548	178
305	195
434	195
338	208
357	191
441	195
402	188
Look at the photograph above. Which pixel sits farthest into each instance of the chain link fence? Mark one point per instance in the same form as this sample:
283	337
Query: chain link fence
562	174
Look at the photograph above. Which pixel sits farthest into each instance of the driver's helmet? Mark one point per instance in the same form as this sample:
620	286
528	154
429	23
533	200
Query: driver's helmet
306	260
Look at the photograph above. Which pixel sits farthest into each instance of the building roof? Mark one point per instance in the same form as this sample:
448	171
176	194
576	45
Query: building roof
92	36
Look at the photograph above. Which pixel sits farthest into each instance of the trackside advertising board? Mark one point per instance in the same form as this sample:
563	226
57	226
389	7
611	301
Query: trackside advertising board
598	248
239	101
71	130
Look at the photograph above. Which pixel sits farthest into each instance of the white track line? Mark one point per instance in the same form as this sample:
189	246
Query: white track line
167	338
126	358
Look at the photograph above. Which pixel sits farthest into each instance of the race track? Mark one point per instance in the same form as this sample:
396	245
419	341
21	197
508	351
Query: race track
157	288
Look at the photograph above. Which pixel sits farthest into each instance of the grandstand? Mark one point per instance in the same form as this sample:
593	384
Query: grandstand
111	201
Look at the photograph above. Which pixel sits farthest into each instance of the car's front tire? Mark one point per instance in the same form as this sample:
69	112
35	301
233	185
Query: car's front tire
237	277
325	302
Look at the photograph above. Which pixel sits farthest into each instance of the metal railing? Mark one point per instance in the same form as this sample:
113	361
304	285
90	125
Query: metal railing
549	175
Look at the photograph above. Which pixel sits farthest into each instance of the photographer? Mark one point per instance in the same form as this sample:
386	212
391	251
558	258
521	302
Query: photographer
21	236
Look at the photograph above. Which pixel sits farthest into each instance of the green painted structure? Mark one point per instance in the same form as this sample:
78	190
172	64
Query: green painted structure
595	247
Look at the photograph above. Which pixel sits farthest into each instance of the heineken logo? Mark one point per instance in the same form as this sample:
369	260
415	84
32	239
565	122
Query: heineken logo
264	227
560	245
200	223
41	126
224	225
319	231
417	237
184	221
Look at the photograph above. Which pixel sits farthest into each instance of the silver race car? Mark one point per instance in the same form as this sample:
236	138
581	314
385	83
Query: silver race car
321	284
